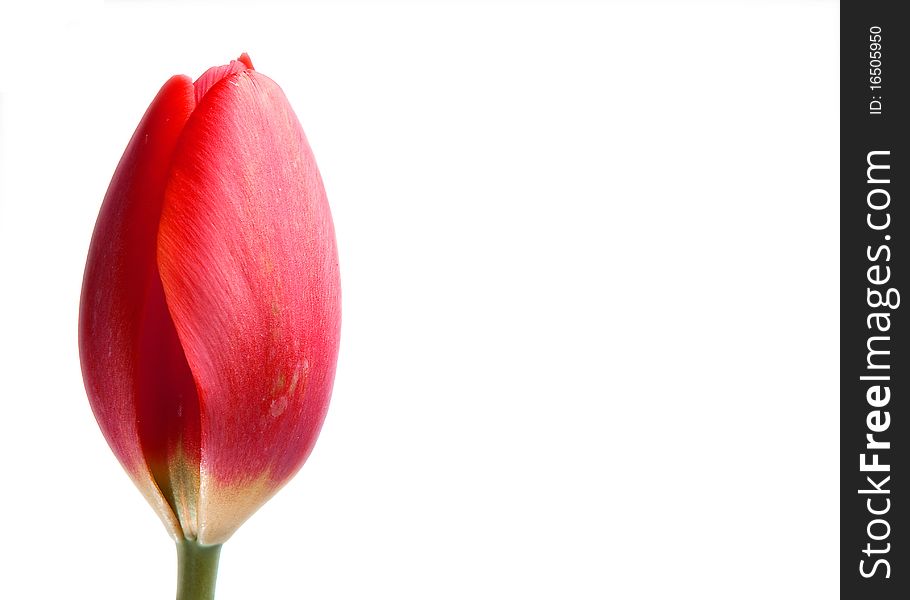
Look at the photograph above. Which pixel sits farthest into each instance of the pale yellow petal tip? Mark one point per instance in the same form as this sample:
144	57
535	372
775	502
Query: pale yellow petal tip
178	482
224	508
155	499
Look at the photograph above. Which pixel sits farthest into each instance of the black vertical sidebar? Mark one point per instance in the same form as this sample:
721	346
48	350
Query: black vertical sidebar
875	269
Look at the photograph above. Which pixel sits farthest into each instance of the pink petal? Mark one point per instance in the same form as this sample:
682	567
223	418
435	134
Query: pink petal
250	272
215	74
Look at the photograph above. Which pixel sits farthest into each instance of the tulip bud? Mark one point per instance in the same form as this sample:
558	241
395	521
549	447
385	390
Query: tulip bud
210	311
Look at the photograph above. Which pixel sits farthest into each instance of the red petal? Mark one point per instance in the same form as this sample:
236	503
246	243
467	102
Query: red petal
167	408
216	74
245	59
125	334
250	272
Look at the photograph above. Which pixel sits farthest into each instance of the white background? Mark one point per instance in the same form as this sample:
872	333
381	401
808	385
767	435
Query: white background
589	260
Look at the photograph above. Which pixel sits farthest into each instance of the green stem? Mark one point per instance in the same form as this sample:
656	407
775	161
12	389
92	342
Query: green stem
197	568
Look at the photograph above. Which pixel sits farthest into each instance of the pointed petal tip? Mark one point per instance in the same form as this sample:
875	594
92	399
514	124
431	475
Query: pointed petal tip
245	59
215	74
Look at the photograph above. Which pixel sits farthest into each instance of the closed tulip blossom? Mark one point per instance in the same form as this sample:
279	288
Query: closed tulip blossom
210	313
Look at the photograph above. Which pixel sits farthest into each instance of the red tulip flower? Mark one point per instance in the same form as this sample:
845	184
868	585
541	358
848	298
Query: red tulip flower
210	312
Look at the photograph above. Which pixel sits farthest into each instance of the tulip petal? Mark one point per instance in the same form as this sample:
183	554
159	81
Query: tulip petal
215	74
247	258
123	322
245	59
167	409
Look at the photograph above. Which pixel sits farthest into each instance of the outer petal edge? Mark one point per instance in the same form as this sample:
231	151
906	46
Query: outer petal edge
118	274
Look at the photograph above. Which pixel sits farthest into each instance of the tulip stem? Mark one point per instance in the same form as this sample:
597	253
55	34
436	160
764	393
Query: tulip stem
197	568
